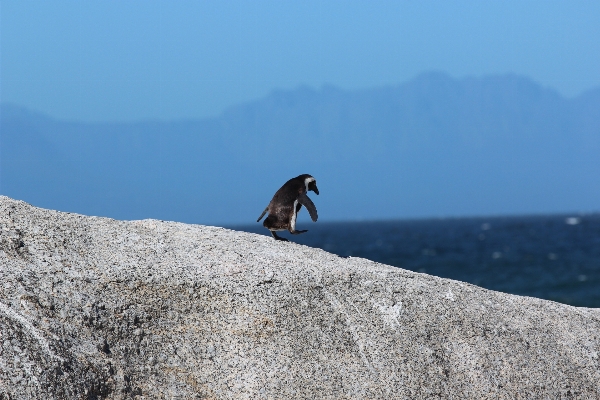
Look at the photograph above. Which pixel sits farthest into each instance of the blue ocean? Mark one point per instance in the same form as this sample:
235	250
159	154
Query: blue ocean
554	257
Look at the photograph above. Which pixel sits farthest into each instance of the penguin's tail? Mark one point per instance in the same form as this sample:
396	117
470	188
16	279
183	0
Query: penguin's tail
263	214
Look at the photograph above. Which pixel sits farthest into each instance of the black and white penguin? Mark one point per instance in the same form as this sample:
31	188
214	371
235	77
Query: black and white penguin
287	202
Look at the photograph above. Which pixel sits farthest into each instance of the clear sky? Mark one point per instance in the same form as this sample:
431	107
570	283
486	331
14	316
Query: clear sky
132	60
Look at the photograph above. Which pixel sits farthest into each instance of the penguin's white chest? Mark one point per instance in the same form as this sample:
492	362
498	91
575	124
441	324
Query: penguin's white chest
293	219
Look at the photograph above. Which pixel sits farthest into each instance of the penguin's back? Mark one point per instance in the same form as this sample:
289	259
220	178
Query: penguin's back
282	207
287	194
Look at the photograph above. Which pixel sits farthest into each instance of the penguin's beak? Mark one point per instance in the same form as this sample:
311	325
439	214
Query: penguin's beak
315	189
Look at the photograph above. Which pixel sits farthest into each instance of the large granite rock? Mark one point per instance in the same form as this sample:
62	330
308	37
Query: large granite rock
97	308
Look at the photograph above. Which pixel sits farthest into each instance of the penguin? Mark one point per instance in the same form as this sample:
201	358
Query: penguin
287	202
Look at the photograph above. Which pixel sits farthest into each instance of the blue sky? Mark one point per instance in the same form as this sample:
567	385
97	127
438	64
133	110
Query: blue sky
137	60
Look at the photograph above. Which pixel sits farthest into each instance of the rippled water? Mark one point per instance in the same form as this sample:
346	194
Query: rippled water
551	257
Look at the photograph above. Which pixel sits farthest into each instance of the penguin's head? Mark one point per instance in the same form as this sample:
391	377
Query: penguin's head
312	185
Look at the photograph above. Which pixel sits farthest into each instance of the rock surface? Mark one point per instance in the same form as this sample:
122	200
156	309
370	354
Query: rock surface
96	308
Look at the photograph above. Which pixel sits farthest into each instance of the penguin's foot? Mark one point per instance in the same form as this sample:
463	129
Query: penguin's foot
299	232
277	237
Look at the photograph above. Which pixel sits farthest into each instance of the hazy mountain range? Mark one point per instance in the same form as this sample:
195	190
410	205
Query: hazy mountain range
433	146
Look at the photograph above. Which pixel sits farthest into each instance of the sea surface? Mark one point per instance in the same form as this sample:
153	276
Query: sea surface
554	257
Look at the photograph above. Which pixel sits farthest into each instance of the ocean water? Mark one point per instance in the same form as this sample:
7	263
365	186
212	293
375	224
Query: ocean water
554	257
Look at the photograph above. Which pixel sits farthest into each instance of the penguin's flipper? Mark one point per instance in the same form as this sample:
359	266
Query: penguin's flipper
263	214
277	237
310	206
299	232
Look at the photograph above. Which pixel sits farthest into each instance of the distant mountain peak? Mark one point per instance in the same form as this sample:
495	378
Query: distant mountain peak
10	111
432	145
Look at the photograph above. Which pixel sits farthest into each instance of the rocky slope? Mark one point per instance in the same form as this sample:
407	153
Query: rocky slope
97	308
